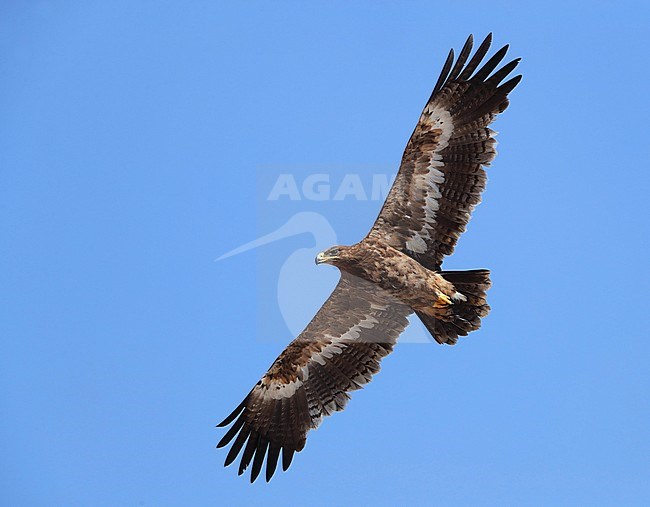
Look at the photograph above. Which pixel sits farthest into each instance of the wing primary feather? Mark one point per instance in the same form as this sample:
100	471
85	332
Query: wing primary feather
287	456
272	460
237	445
462	58
445	72
262	445
476	59
500	74
231	432
491	64
234	414
507	87
249	450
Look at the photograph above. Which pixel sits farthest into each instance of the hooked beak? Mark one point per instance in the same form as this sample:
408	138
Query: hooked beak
321	258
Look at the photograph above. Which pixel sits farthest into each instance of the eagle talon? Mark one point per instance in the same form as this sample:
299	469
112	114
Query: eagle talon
442	301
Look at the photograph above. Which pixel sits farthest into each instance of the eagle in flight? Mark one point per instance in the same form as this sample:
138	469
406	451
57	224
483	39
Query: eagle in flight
393	272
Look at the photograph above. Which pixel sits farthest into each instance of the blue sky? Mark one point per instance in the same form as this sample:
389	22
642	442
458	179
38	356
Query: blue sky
137	142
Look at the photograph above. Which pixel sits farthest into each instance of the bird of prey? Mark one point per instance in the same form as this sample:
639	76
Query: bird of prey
393	272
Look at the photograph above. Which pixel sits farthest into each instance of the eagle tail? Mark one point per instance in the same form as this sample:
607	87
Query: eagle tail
467	313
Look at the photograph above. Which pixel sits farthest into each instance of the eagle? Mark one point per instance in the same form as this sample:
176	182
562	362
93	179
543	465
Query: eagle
395	271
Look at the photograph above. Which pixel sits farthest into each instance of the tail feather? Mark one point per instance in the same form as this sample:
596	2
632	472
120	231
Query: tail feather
467	313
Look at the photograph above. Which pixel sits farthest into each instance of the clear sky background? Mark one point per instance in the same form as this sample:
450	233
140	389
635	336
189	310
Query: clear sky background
133	136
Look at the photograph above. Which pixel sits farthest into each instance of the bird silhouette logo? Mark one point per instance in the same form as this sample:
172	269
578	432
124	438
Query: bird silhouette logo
298	271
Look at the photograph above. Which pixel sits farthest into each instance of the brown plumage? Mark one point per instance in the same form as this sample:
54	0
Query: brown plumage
394	272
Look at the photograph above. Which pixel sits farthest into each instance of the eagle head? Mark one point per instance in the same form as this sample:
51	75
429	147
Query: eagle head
332	255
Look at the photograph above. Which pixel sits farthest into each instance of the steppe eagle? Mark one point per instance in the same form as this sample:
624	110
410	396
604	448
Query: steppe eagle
393	272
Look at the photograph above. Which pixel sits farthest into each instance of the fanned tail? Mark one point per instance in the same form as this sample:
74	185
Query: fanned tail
472	284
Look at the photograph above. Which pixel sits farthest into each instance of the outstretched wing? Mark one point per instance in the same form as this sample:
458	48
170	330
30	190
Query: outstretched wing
442	173
338	352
